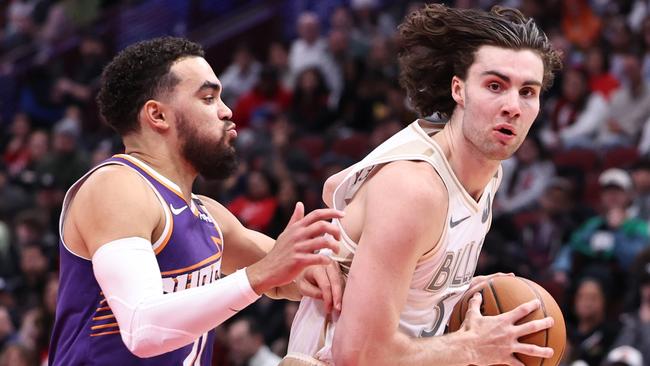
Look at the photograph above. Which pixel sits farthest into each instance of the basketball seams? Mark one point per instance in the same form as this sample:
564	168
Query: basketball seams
543	308
494	296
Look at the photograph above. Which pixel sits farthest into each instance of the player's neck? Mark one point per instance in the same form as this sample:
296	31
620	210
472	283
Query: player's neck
472	171
163	160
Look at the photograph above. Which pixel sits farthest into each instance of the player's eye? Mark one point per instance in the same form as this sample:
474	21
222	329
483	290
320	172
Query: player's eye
528	92
494	86
209	99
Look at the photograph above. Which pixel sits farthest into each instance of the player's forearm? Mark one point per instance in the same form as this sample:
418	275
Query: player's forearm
151	322
447	350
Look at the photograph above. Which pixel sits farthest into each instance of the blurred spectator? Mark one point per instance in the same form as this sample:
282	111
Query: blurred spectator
611	239
67	163
309	108
624	356
310	50
16	154
77	87
20	29
268	96
636	322
590	334
7	329
247	346
240	76
278	58
12	198
645	40
257	206
33	275
39	148
629	108
543	236
597	67
641	178
579	23
279	346
342	28
525	176
16	354
620	41
575	115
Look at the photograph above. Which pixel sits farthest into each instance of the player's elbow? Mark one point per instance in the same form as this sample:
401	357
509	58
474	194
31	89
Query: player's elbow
344	354
349	352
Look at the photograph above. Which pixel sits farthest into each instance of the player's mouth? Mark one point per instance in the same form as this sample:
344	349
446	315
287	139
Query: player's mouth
504	132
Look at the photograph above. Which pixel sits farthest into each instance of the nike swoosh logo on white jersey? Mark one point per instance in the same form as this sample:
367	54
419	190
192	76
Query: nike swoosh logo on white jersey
177	211
453	223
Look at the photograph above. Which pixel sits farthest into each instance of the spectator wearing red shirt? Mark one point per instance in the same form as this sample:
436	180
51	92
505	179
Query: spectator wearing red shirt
268	93
257	206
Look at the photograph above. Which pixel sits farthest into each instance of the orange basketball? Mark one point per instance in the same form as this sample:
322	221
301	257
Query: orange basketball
504	293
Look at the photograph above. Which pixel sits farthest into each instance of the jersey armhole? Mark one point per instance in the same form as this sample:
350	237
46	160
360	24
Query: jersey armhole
72	192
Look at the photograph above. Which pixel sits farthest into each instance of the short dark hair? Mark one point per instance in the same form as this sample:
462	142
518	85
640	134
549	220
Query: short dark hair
138	73
438	42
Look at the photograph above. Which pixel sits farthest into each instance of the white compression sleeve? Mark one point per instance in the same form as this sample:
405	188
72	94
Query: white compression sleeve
152	323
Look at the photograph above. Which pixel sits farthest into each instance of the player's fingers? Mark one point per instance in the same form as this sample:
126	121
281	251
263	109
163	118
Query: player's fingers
322	214
335	277
298	213
474	305
308	289
522	310
534	326
310	259
312	245
319	228
325	287
533	350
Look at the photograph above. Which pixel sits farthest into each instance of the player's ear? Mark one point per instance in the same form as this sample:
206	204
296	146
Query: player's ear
153	114
458	90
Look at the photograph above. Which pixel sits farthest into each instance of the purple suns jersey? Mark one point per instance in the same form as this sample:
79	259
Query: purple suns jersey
189	255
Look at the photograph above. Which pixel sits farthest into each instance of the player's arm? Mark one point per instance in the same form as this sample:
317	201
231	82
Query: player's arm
403	220
245	246
115	213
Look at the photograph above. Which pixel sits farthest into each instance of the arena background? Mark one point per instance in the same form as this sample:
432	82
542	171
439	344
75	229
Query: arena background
308	101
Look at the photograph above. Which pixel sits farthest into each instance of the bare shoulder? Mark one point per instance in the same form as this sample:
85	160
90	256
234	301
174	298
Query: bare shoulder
410	180
114	202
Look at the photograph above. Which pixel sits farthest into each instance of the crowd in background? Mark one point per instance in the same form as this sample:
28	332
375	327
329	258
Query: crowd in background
572	212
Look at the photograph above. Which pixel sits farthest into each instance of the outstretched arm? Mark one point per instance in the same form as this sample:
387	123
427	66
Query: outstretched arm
126	269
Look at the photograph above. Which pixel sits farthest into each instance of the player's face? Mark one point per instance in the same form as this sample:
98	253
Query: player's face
205	132
500	99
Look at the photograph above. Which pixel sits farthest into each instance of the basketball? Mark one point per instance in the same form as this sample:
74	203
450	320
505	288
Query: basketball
504	293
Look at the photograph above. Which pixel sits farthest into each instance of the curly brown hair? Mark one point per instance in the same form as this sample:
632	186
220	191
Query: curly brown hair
138	73
438	42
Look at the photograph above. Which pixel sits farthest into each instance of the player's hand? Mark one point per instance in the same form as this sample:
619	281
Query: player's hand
496	338
479	281
323	282
295	249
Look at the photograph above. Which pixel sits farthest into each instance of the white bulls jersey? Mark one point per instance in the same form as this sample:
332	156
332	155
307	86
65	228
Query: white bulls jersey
441	276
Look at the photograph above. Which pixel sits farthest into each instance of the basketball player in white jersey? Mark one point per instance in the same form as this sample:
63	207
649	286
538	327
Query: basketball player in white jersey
418	206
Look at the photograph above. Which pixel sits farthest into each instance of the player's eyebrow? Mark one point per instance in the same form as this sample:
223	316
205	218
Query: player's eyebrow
209	85
507	78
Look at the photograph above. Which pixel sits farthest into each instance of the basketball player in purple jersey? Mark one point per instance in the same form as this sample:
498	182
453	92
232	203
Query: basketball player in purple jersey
142	256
